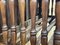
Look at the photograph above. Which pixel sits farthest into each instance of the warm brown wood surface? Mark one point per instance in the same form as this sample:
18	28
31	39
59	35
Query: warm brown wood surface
44	22
33	35
12	22
4	25
21	4
33	5
57	31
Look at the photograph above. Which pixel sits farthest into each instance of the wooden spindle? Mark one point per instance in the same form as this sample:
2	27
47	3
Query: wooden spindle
33	6
44	22
12	22
57	31
4	25
0	23
22	18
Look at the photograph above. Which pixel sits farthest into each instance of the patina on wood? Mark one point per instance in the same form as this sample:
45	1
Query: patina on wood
57	31
12	22
22	20
33	5
4	25
44	22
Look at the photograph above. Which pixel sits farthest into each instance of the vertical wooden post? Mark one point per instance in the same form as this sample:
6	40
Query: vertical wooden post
0	19
44	22
57	31
4	25
22	18
33	6
12	22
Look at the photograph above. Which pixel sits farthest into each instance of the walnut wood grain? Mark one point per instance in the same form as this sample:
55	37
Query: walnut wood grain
44	22
57	31
22	20
12	22
4	25
33	5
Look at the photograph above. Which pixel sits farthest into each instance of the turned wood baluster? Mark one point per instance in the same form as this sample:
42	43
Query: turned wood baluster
0	19
44	22
12	22
33	6
57	31
22	18
4	25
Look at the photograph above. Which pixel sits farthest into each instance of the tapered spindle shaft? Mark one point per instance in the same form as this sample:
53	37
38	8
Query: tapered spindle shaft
12	22
44	22
22	18
4	25
57	31
33	6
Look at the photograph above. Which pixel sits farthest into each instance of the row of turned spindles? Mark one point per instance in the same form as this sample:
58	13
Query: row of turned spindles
33	7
